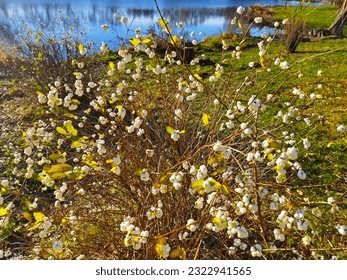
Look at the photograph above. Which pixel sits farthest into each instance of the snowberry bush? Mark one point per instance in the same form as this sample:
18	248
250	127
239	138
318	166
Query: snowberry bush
156	160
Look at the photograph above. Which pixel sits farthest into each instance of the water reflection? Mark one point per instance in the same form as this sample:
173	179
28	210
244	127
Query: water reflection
209	16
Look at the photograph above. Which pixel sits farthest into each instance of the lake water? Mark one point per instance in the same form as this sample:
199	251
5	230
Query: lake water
206	16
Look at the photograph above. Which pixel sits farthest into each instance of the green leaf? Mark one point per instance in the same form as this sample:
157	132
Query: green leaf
170	130
61	130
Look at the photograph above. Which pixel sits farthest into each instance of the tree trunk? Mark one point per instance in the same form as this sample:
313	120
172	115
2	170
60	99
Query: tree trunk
337	27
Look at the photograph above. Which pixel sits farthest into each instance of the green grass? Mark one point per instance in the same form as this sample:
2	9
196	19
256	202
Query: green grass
314	16
326	161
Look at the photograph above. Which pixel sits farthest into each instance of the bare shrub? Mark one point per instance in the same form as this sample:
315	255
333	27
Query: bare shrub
294	31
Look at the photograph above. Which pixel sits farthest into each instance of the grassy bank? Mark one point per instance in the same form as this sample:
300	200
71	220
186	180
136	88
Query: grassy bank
315	17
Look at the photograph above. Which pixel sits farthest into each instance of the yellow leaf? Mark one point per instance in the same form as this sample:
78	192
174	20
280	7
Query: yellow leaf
175	40
39	56
147	41
138	172
170	130
270	156
330	144
225	190
58	175
197	76
216	221
69	127
164	178
111	65
218	171
55	156
115	170
80	47
61	130
274	145
69	115
216	184
78	174
182	132
62	167
198	185
184	254
38	216
75	102
262	62
206	119
27	216
160	239
163	22
178	252
135	41
159	246
3	212
76	144
239	24
212	160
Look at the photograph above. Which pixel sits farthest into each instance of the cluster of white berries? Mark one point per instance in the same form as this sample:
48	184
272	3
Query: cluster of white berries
219	147
136	126
176	180
256	250
155	212
220	219
191	225
134	237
